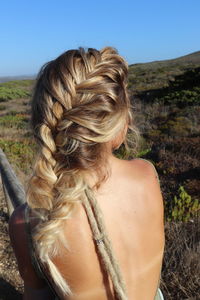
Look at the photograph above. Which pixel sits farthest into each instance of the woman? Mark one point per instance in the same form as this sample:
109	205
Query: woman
92	227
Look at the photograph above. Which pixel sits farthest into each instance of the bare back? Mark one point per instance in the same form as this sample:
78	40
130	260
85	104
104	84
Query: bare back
132	207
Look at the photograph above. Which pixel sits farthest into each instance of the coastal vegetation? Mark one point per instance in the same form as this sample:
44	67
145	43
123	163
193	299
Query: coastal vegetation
165	97
14	90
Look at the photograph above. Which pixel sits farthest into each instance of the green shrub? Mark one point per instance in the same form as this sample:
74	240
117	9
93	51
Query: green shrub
9	93
184	207
122	152
3	107
18	121
143	152
154	133
182	97
27	83
19	153
178	126
14	112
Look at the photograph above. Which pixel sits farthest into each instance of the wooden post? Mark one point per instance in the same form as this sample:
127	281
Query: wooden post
13	189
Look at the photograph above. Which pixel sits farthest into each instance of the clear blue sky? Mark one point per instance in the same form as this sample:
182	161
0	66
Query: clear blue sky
33	32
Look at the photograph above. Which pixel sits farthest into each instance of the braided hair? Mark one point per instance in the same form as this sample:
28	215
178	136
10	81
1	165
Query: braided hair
80	103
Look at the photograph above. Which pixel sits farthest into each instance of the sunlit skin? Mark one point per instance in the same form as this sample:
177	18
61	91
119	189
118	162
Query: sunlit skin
132	206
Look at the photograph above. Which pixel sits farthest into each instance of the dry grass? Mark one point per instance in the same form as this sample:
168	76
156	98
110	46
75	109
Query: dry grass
181	266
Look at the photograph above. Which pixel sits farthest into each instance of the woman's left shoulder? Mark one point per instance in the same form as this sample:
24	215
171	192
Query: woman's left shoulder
17	227
20	244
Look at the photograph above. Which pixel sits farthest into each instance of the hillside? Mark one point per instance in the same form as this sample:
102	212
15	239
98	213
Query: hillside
189	59
158	74
12	78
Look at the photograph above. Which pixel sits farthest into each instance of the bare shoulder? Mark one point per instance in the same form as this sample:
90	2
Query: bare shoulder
19	242
145	168
139	169
17	216
145	175
16	225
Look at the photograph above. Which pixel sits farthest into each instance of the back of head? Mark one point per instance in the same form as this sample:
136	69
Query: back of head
80	103
81	99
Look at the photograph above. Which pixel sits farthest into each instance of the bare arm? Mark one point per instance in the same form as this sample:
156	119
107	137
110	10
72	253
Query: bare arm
34	286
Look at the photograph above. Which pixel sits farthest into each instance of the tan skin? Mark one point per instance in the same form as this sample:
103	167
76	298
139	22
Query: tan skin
132	207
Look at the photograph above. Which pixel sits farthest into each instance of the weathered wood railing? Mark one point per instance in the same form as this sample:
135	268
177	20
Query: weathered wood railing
12	188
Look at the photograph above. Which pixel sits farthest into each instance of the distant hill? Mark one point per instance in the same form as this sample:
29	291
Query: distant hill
154	79
158	74
11	78
189	59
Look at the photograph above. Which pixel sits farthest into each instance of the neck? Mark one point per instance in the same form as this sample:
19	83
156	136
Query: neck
94	178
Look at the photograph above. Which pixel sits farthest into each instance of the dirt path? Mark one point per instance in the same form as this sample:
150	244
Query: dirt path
11	286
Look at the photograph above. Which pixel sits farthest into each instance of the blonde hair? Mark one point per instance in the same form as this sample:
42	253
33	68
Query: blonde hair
80	103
